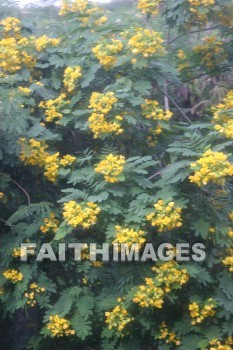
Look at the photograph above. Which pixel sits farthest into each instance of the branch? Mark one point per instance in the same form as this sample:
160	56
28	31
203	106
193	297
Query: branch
17	184
154	175
207	73
175	104
192	32
7	223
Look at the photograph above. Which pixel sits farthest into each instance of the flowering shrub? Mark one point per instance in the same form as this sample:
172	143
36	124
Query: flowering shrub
116	127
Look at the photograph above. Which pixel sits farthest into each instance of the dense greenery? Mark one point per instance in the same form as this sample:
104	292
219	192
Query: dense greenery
116	126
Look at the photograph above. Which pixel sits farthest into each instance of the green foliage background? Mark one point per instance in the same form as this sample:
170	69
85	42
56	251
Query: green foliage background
151	173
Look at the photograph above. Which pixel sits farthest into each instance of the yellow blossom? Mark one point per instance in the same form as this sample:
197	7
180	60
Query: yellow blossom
71	76
43	42
111	167
146	43
223	116
149	294
149	6
24	90
83	214
199	312
106	50
166	216
129	236
13	275
118	318
50	224
34	290
59	327
168	336
53	107
211	167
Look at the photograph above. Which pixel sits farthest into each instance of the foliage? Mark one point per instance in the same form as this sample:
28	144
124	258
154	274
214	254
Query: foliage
118	130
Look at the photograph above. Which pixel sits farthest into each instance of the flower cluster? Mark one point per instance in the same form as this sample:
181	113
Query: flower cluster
24	90
83	214
166	216
211	167
14	55
146	43
59	327
43	42
71	75
18	252
170	275
102	105
215	344
199	312
149	6
129	236
223	116
77	6
34	153
211	51
228	261
200	8
31	294
13	276
152	110
1	195
53	107
11	27
168	336
106	50
15	49
149	294
111	167
50	224
22	252
118	318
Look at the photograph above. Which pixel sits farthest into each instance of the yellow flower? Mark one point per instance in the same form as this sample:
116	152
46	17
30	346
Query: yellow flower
166	216
149	6
152	110
59	327
118	318
211	167
129	236
83	214
34	290
13	275
24	90
106	50
79	6
53	107
111	167
146	43
211	51
170	275
199	313
223	116
67	160
51	224
1	195
149	295
43	42
100	121
71	76
167	336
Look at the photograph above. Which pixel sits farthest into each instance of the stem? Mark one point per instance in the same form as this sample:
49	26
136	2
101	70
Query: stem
175	104
154	175
192	32
19	186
